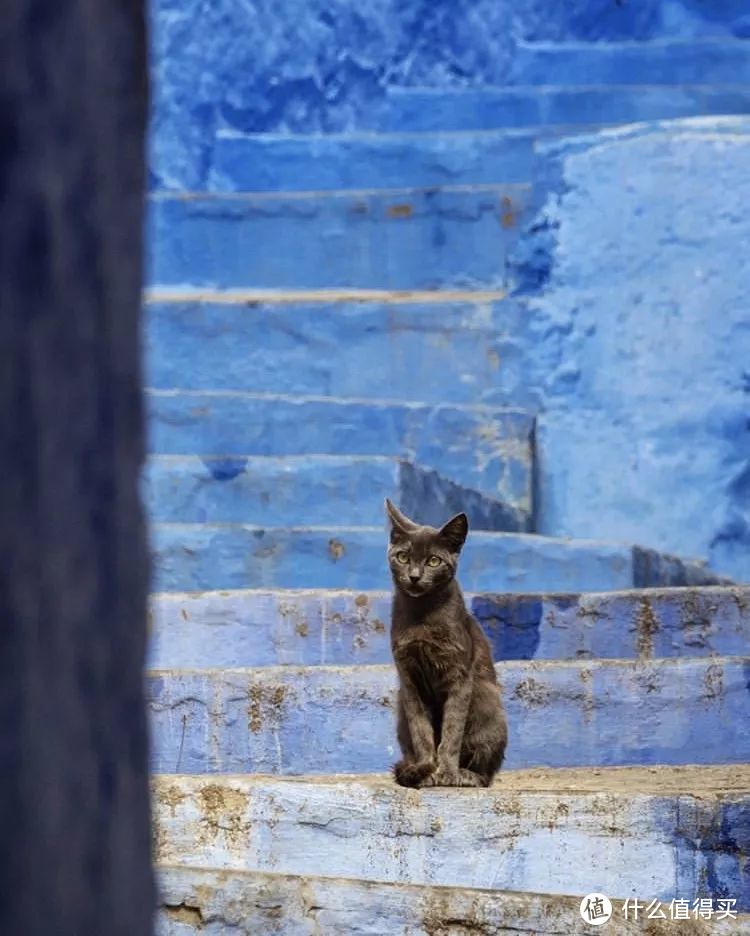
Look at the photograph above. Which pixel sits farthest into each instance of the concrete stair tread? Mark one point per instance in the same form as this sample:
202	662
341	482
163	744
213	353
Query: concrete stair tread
654	833
323	719
165	294
311	627
201	556
256	902
399	239
301	489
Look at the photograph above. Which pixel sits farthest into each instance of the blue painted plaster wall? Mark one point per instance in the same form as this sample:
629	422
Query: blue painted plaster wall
643	322
324	65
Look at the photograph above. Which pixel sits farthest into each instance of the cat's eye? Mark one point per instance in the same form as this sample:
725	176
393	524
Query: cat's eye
402	556
434	561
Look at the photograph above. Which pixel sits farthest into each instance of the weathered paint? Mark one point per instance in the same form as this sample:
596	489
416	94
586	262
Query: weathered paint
396	239
434	109
311	489
201	556
485	448
308	628
634	441
256	903
340	719
624	834
466	350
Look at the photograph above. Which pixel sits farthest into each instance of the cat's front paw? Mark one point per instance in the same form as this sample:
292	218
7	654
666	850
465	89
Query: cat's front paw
444	776
411	774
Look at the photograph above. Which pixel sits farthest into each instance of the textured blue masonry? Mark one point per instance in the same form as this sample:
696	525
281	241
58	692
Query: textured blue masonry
327	720
441	351
644	424
409	239
483	448
200	556
435	109
268	628
312	490
308	68
632	839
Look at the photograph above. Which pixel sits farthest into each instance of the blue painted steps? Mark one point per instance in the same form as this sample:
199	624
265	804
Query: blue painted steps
647	833
435	347
311	489
671	62
202	556
340	719
309	628
490	108
399	239
484	448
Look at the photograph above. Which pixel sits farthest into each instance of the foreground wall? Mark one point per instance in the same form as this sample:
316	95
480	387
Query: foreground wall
642	320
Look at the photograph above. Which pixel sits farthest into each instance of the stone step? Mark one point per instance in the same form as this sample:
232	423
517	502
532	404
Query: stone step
488	449
259	162
340	719
491	108
659	833
676	62
310	628
435	347
205	556
386	239
311	489
254	903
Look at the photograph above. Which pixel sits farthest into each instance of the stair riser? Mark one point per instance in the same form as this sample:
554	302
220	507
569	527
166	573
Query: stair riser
335	720
257	163
487	450
199	557
652	846
490	109
308	629
249	904
311	491
409	240
443	352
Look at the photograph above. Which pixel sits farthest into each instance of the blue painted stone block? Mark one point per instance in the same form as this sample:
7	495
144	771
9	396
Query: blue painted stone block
413	239
290	720
311	490
433	109
201	556
648	833
275	162
486	449
695	61
308	628
436	350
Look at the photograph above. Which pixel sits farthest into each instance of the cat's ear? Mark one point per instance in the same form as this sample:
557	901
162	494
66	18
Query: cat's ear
455	531
399	523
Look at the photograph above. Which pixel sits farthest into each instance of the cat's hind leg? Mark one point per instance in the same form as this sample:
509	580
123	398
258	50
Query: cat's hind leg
486	735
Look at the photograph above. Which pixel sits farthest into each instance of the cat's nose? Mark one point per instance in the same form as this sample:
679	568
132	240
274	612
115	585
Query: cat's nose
414	575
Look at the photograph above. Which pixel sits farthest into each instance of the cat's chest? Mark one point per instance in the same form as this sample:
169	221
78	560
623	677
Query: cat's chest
430	655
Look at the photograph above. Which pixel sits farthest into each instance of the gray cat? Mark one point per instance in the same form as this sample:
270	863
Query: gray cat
451	724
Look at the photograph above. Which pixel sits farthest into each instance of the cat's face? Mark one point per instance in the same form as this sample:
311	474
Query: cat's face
422	558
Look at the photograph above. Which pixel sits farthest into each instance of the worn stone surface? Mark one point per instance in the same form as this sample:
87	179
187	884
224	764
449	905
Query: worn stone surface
487	449
623	833
74	836
304	628
312	489
645	432
201	556
330	719
438	349
246	902
399	239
